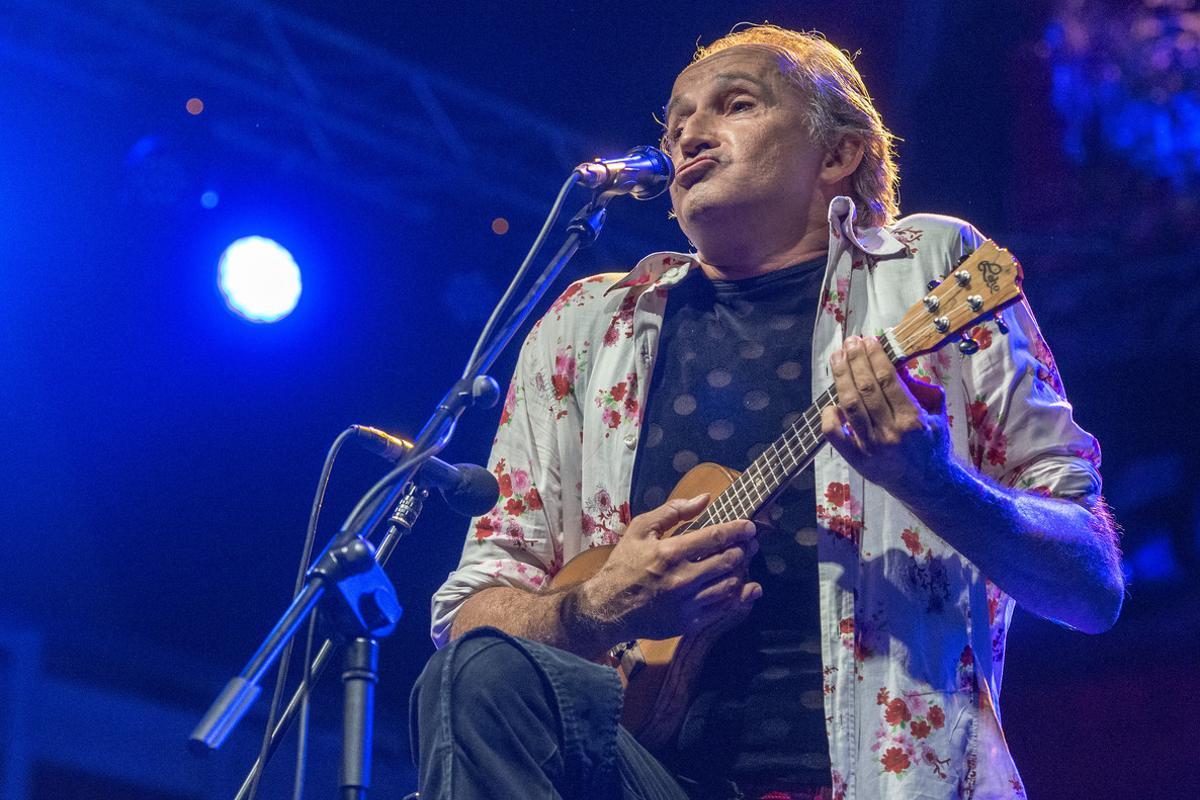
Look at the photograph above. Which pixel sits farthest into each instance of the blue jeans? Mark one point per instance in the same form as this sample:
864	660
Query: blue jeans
495	716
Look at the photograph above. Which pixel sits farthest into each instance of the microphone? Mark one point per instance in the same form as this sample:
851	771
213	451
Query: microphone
644	172
467	488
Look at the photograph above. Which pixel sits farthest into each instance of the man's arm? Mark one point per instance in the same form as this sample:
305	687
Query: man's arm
648	588
1056	558
551	617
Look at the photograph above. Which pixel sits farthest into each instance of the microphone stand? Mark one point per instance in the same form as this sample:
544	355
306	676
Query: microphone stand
402	519
367	608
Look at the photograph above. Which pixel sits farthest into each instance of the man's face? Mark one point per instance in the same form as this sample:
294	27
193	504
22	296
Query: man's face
736	132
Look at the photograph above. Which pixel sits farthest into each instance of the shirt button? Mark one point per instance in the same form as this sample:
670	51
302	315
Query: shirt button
630	441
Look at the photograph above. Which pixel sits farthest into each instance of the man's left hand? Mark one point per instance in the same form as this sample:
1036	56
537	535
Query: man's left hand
891	428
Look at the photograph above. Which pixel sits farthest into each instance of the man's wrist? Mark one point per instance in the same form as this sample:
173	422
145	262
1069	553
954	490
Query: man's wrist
582	622
935	487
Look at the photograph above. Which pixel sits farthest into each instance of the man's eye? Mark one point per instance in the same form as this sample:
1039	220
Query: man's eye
741	105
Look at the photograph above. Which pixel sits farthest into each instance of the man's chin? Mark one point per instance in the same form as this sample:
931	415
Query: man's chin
708	209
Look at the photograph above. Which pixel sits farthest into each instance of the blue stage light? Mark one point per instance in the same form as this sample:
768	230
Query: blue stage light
259	279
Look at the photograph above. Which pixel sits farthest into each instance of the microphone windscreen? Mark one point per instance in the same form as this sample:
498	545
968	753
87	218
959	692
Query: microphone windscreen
476	492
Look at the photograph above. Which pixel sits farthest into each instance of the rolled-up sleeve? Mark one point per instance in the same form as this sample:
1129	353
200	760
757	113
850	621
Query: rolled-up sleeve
1022	431
514	544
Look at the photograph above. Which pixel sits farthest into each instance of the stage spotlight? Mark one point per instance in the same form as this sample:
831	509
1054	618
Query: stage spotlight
259	279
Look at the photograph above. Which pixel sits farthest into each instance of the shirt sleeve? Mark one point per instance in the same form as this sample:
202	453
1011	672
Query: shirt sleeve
517	543
1021	430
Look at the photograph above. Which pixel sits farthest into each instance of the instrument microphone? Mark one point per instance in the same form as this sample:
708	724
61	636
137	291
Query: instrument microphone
644	172
467	488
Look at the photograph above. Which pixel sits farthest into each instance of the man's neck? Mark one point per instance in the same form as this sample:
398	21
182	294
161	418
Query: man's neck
731	270
758	245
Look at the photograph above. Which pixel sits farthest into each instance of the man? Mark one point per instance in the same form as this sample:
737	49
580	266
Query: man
865	648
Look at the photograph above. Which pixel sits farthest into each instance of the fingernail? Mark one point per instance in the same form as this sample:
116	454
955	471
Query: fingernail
853	343
756	593
749	528
697	498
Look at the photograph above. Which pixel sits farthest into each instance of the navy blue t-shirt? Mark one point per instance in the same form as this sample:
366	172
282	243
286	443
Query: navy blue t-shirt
731	374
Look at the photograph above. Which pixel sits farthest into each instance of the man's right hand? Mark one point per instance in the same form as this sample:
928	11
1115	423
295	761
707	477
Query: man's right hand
655	588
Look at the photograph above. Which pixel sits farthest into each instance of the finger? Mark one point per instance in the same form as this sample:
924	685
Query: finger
745	596
875	403
932	398
694	574
709	540
887	378
848	400
837	432
722	590
654	523
832	424
737	606
751	591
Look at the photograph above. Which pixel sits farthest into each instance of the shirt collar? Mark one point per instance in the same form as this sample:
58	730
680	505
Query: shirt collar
658	269
878	242
665	269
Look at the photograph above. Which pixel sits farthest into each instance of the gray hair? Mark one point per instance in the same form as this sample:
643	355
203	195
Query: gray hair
838	105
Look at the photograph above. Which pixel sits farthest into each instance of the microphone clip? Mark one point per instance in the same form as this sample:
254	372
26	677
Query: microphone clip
644	172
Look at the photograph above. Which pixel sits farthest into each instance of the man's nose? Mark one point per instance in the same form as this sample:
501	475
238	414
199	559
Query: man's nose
697	136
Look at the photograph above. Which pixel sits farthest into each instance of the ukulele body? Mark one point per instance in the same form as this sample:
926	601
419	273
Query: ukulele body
658	675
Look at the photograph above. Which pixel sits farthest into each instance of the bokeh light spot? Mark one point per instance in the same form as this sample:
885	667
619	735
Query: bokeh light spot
195	105
210	199
259	279
499	226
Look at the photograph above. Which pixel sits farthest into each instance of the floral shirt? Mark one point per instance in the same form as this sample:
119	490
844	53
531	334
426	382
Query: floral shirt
912	634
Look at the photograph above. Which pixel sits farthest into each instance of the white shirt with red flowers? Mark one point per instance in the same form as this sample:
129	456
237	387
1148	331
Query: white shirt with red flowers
912	634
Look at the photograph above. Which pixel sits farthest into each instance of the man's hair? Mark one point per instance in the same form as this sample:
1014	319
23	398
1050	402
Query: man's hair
838	104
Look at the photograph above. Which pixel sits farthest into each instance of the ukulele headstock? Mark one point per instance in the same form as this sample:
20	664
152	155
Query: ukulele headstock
982	283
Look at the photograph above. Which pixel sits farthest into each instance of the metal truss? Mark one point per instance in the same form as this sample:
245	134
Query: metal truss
307	98
312	101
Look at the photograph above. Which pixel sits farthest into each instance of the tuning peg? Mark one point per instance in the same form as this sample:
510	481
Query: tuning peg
933	284
1000	323
968	346
964	257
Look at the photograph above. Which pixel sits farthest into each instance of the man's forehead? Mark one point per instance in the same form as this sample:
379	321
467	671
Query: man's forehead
744	60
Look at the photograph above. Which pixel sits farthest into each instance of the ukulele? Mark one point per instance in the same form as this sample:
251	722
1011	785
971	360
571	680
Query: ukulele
659	675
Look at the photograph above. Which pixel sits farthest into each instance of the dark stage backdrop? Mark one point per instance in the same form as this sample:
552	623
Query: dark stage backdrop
158	455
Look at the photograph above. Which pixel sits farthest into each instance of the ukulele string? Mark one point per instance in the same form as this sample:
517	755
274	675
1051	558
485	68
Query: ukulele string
745	494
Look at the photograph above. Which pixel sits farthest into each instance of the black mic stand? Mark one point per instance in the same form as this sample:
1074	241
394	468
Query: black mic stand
360	665
367	608
359	678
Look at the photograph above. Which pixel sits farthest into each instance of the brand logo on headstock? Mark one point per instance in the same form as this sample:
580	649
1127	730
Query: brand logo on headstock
990	271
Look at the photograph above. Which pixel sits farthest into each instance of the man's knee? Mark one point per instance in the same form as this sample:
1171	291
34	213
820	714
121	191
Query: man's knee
483	675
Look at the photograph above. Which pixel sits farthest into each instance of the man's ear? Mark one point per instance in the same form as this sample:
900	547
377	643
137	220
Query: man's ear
842	159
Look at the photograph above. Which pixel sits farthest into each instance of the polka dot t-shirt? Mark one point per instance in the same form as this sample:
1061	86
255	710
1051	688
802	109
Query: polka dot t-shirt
730	375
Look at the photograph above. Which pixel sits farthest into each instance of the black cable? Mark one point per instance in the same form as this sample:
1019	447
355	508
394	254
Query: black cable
306	556
369	504
302	725
551	218
365	515
367	508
